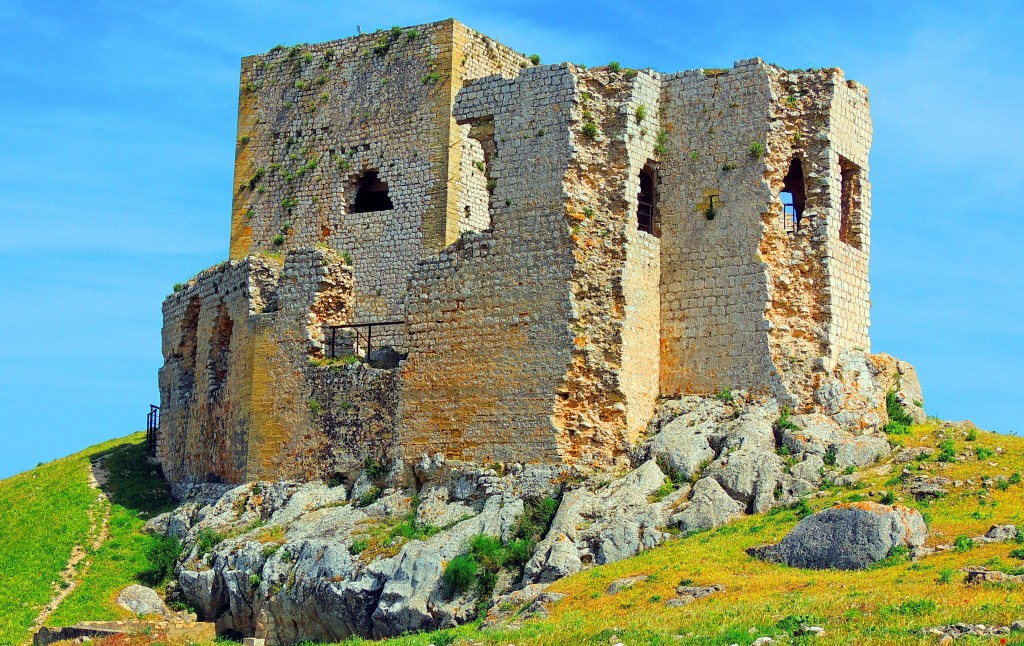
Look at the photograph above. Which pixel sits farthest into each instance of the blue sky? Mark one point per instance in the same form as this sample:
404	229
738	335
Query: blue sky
117	129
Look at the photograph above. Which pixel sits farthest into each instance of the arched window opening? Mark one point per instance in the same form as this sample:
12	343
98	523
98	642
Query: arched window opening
372	194
793	196
647	218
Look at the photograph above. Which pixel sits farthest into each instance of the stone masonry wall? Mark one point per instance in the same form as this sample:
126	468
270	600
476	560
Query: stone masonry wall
242	396
489	342
714	283
850	132
314	119
541	324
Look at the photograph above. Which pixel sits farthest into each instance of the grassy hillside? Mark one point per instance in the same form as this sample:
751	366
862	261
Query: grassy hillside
888	604
48	510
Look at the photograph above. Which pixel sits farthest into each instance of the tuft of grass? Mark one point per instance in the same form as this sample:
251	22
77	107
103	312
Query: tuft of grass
946	575
947	451
830	457
460	573
163	553
371	496
983	453
784	423
614	66
724	395
899	420
535	59
207	540
590	130
963	543
358	546
756	149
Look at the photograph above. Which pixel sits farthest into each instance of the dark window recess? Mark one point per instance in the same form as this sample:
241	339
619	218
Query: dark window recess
793	196
850	220
186	351
647	219
372	194
220	352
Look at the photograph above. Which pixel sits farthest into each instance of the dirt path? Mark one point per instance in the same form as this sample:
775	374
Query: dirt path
99	532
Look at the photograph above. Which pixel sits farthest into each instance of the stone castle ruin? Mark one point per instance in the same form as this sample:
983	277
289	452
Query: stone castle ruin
440	246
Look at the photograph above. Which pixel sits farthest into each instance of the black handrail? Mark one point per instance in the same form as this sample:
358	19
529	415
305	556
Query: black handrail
357	328
152	428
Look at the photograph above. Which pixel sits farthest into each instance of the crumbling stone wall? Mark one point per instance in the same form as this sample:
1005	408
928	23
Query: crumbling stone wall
611	386
203	430
244	392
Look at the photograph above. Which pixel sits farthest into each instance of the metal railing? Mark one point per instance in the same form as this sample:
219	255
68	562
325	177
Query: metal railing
362	341
152	427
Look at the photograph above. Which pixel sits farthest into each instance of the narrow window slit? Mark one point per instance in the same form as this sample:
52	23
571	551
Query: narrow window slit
793	196
647	218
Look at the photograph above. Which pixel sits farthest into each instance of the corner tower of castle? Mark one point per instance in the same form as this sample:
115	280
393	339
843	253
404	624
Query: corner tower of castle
543	251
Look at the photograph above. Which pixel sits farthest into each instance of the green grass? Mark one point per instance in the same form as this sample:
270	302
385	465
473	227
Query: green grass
44	516
46	513
137	492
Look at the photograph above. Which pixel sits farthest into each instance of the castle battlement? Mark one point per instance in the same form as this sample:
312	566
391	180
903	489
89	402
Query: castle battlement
554	248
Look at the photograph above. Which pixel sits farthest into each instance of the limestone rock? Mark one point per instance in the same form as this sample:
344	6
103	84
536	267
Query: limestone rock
142	601
1001	533
687	594
816	433
618	585
710	506
847	537
861	451
750	476
561	560
683	447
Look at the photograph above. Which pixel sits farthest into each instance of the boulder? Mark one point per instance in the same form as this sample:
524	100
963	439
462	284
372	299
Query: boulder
687	594
142	601
847	537
1001	533
561	560
861	451
710	506
683	447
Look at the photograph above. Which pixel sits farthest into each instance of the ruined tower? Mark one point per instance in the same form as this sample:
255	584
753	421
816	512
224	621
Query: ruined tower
537	253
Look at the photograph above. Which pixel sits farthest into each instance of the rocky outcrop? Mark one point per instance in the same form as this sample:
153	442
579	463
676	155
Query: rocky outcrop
847	537
291	561
853	392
